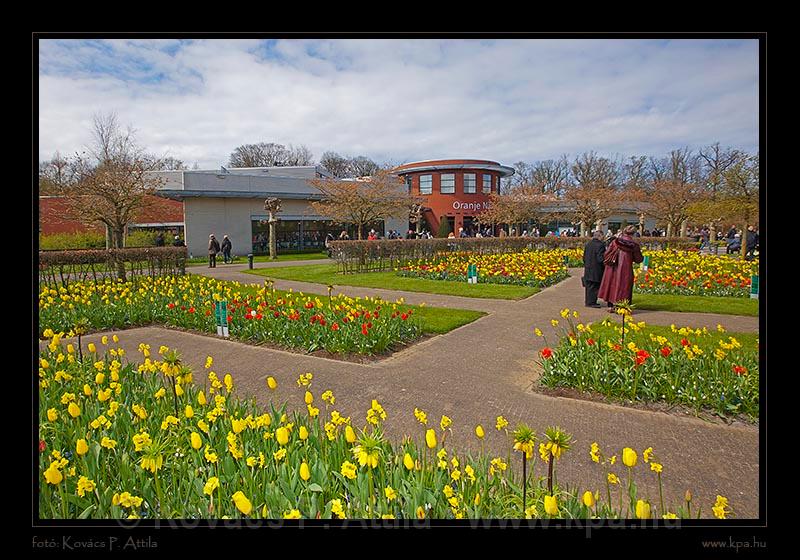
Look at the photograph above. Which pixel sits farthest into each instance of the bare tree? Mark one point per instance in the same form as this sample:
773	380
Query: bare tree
518	205
112	180
362	166
523	175
55	175
337	165
360	202
169	163
262	154
635	173
670	202
717	161
550	174
589	170
298	155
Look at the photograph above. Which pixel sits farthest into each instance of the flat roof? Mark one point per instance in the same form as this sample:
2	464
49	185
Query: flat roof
451	164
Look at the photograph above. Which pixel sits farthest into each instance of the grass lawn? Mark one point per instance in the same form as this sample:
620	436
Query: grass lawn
239	259
326	274
697	304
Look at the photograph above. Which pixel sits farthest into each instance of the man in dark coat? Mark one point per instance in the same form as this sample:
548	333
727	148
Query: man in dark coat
593	267
617	283
226	249
213	249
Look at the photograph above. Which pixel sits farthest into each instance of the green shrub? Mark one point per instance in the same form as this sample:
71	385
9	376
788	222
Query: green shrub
141	239
444	227
78	240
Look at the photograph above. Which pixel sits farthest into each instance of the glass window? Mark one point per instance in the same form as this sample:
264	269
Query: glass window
469	183
425	184
487	183
408	183
448	184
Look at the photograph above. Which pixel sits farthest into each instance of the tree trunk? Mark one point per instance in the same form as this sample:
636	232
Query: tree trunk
669	229
358	234
684	226
118	237
273	241
744	240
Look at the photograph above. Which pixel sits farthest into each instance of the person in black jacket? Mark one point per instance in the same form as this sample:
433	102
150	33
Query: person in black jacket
226	249
593	267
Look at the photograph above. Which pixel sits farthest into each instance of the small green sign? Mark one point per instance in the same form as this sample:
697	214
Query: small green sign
646	263
754	287
221	313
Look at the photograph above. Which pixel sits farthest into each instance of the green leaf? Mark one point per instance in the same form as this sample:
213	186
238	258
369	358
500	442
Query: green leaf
85	513
314	487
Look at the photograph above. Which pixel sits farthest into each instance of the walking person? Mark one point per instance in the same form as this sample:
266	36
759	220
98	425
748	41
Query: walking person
617	282
226	250
593	267
213	249
160	239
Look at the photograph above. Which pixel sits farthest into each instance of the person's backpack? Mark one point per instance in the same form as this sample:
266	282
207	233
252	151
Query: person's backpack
611	255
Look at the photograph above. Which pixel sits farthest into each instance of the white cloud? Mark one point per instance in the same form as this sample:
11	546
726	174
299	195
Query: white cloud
402	99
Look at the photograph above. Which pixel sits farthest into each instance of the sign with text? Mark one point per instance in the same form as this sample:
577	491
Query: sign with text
221	314
471	206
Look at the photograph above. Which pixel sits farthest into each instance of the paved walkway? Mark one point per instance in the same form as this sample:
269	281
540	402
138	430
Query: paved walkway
485	369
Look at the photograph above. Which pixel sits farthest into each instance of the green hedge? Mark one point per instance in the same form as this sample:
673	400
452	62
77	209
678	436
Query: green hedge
388	254
63	267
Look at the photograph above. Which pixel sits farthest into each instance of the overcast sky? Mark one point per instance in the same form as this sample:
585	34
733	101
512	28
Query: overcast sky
403	99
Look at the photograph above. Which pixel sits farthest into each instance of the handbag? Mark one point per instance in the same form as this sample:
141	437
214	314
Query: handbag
611	255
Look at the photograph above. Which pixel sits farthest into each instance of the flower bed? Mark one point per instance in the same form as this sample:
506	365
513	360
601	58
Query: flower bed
678	366
526	268
338	324
691	273
119	439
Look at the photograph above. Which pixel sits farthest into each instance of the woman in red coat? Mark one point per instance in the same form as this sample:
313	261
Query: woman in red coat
617	283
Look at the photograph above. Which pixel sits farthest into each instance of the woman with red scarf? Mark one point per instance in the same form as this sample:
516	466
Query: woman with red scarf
622	252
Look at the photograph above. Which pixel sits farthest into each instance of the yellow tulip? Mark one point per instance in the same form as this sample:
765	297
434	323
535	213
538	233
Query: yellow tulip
197	442
81	447
309	398
420	513
271	383
408	461
201	398
282	435
588	499
52	414
53	475
305	473
303	432
242	503
479	431
629	457
430	438
642	509
74	410
349	434
551	505
189	411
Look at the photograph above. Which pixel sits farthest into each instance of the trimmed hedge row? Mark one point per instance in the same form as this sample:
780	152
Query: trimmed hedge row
388	254
62	267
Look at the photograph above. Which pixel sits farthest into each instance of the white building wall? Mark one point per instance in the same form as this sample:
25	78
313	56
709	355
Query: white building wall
232	217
